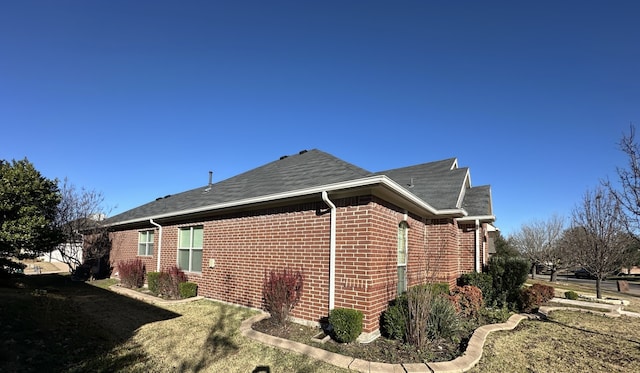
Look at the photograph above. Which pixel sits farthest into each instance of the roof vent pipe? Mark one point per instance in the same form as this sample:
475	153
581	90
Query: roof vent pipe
210	181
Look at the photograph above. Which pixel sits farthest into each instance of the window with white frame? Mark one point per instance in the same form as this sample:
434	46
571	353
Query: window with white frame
190	249
403	246
145	243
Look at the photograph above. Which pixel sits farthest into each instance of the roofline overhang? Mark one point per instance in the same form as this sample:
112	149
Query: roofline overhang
481	218
358	183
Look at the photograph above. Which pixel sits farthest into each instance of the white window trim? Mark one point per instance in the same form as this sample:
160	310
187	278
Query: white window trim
190	248
146	243
403	225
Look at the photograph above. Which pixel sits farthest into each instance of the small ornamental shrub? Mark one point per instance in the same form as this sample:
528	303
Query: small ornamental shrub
188	289
394	319
169	282
419	299
152	281
571	295
546	292
281	291
529	300
346	323
443	321
480	280
467	300
494	315
132	273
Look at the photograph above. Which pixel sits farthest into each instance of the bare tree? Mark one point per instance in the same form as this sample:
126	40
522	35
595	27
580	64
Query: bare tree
598	235
80	212
538	242
628	196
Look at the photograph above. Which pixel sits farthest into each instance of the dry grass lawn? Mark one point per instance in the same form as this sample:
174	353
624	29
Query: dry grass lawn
567	342
50	323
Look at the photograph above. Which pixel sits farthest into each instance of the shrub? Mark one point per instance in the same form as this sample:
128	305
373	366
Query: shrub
443	321
169	282
529	300
419	300
281	291
571	295
546	292
508	275
188	289
494	315
346	323
467	300
481	280
152	281
394	319
132	273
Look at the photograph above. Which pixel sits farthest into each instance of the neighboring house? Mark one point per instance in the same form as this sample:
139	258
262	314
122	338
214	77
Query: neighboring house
359	237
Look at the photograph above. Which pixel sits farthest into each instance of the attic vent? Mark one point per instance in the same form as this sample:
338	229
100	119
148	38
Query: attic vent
302	151
283	157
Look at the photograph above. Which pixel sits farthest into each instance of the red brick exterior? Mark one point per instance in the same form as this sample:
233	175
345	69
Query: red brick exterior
246	245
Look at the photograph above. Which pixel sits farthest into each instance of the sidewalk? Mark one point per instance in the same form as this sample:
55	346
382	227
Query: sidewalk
40	268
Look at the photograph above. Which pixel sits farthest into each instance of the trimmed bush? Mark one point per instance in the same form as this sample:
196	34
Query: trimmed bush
546	292
281	291
467	300
346	323
394	319
152	281
188	289
483	281
443	321
529	300
132	273
571	295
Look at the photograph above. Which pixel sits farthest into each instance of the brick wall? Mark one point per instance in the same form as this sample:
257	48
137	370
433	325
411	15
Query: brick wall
246	245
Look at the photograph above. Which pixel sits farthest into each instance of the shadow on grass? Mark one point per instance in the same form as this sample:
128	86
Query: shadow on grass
50	323
593	332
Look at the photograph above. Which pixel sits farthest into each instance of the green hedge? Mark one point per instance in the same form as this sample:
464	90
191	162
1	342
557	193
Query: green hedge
152	281
188	289
346	323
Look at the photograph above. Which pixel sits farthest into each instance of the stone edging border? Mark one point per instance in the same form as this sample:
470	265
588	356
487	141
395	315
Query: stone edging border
149	298
469	358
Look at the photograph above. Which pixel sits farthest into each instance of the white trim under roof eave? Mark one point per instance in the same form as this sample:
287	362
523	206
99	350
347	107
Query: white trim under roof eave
482	218
372	180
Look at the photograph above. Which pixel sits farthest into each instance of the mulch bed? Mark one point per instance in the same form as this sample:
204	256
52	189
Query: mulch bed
381	350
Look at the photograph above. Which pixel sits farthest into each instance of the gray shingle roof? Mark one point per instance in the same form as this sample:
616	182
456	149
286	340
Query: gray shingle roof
477	201
436	183
300	171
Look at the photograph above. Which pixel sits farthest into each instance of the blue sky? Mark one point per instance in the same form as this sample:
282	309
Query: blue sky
140	99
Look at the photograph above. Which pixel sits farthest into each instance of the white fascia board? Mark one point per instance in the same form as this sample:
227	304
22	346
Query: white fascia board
482	218
367	181
467	181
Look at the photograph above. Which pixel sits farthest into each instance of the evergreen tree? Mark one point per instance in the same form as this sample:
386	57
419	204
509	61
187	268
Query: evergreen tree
28	206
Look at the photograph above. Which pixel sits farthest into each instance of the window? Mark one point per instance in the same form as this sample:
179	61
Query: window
403	246
145	243
190	249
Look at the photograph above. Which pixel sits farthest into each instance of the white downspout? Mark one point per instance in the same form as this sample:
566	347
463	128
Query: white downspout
159	242
332	251
478	269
